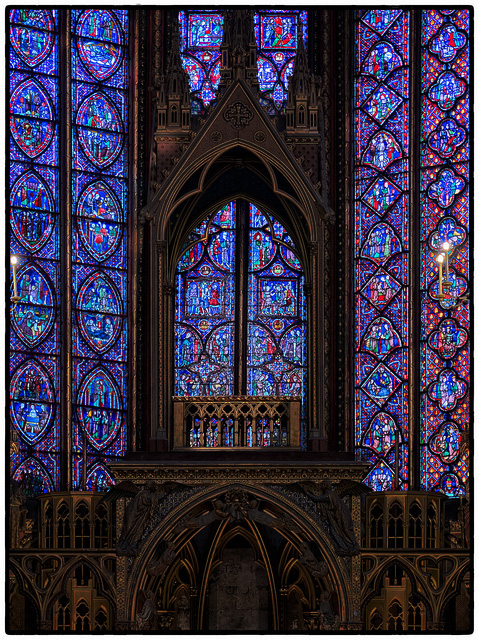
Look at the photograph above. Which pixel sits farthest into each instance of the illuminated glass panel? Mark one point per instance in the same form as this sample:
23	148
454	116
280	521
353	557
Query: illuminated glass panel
208	330
276	312
100	209
205	309
34	239
445	323
277	34
381	200
201	35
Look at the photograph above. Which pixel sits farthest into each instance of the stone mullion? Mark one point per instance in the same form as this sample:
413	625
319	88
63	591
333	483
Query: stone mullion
315	355
132	261
65	211
158	356
414	310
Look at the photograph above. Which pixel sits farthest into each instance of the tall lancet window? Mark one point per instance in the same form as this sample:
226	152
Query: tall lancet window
422	197
381	165
240	309
35	339
445	357
69	207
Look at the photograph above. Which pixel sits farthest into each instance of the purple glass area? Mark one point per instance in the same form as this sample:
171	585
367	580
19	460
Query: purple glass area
34	386
100	79
445	320
381	231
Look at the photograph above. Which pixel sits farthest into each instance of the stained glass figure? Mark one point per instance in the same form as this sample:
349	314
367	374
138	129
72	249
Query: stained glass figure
381	434
99	129
445	361
201	35
99	478
99	308
99	401
31	35
35	324
99	42
32	400
277	42
33	477
445	442
31	218
34	314
381	154
31	117
381	61
99	217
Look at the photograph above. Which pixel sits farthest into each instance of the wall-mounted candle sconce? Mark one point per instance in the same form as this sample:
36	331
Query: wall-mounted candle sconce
446	247
15	298
440	260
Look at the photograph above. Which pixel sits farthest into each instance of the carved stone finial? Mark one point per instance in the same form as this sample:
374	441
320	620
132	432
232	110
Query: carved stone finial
238	50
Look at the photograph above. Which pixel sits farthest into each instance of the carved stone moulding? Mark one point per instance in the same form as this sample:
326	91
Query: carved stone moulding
236	472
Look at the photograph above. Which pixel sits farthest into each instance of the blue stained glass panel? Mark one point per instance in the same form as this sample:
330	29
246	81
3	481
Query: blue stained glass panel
100	79
276	359
205	308
381	121
445	352
34	328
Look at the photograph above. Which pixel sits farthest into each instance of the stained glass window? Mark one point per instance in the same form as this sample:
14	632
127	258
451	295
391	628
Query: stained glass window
99	197
205	309
100	205
277	34
208	327
445	357
34	240
201	35
381	200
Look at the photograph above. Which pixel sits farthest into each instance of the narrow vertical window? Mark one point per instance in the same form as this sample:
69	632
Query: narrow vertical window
445	357
34	243
381	202
99	54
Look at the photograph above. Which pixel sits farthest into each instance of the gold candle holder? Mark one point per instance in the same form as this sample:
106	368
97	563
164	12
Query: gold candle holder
446	247
15	298
440	260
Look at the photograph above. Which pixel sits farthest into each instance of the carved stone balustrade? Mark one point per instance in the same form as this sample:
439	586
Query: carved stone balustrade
248	422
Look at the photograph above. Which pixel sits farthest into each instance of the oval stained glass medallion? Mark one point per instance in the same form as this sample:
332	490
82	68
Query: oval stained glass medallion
31	401
99	215
98	409
31	34
99	42
31	208
31	116
99	308
33	477
33	316
99	129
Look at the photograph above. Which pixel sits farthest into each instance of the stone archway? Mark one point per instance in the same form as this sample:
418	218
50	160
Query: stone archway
283	550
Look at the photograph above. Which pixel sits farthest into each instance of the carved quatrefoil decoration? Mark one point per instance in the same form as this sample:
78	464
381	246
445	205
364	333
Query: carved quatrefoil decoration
238	115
